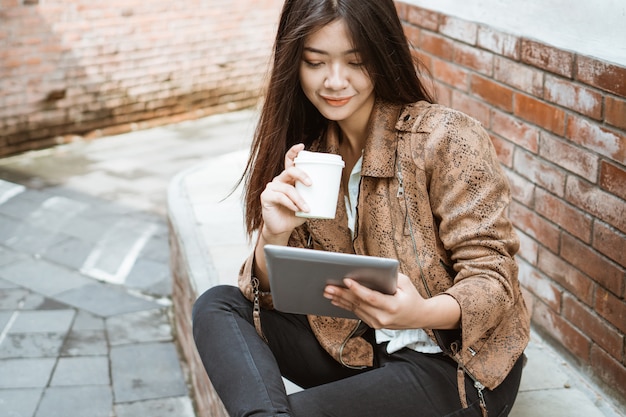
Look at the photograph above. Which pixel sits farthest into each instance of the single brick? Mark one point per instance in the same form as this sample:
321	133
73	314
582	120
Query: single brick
540	113
613	179
459	29
437	45
573	96
540	172
603	75
492	92
515	130
597	202
499	42
451	74
572	158
615	112
547	57
597	138
600	268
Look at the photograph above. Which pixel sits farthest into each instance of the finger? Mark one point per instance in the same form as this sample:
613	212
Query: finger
338	296
293	174
291	154
280	193
344	298
361	292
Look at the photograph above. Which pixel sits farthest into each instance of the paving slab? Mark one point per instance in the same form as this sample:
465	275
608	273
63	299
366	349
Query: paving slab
150	276
5	317
146	371
105	300
157	247
25	373
166	407
42	276
9	190
85	401
27	238
21	208
32	345
139	327
68	251
85	343
87	321
19	402
10	298
6	285
36	301
80	371
555	403
49	321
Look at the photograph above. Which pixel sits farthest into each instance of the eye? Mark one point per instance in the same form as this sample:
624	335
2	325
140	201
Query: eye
313	64
355	60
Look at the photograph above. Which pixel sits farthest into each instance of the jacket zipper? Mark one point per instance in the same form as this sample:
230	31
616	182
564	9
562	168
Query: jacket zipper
477	384
343	345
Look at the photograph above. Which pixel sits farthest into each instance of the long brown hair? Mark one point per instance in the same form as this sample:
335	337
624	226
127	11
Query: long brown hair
288	117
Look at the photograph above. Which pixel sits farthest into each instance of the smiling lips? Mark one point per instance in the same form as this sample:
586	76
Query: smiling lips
336	101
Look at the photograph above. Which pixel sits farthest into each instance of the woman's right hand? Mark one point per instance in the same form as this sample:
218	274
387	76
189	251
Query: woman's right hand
280	201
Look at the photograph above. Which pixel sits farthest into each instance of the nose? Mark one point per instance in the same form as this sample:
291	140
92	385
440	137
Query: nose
336	78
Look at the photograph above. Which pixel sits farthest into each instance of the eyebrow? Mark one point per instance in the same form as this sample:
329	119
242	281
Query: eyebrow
319	51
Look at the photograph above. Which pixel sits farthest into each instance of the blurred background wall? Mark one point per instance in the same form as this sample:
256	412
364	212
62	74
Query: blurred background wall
93	67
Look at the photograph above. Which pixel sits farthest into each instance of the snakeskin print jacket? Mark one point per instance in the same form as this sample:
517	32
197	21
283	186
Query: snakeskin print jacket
433	196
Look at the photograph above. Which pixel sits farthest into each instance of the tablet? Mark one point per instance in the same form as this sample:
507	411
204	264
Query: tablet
298	276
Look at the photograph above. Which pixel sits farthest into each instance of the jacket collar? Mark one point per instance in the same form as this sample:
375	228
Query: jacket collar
379	155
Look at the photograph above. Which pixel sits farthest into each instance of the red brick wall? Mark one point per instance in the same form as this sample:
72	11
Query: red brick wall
558	121
76	66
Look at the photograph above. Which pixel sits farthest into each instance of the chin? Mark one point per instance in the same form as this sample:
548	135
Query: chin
336	114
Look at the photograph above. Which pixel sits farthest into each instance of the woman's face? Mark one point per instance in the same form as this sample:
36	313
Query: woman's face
334	78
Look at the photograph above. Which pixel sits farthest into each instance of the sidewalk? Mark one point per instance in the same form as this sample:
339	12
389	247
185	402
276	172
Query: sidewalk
85	287
86	326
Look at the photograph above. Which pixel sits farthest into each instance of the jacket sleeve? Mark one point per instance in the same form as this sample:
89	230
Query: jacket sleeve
469	196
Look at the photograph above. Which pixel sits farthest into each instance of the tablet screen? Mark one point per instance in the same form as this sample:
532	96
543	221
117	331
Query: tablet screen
298	276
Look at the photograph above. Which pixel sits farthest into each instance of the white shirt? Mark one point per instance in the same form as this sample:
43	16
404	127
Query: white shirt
416	339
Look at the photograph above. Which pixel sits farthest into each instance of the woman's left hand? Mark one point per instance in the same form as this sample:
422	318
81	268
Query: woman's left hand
378	310
406	309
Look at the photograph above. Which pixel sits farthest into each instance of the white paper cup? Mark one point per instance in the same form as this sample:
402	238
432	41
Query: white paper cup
324	169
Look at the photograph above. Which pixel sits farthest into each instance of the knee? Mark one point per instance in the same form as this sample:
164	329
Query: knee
214	299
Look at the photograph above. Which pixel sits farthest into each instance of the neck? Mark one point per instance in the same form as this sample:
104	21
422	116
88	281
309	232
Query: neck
351	148
355	128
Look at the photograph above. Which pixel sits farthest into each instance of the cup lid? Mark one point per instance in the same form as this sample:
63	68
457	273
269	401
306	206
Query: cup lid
319	157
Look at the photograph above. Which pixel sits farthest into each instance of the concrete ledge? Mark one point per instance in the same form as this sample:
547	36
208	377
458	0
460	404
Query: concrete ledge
191	268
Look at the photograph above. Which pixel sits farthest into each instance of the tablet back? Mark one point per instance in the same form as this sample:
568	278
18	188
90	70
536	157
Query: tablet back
298	276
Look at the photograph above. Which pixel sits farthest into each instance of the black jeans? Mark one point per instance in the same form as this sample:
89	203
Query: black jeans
246	372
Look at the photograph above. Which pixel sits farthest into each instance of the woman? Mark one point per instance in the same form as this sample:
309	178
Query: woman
422	185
